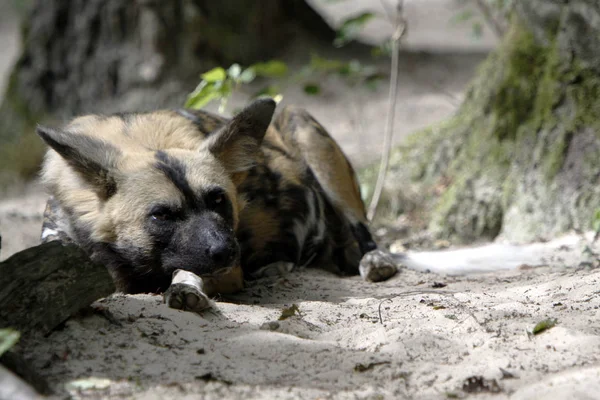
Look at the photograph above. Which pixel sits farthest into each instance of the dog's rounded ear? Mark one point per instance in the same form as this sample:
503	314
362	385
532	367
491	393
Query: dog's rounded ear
93	159
236	144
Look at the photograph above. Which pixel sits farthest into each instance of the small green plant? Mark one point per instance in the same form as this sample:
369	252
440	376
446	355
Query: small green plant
544	325
219	84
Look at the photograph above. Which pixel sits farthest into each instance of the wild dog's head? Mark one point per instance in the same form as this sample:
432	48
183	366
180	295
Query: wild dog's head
151	193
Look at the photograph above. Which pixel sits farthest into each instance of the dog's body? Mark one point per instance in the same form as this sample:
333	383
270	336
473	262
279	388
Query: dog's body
148	194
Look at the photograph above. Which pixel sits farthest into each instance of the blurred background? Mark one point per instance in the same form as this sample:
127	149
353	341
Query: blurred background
440	54
481	82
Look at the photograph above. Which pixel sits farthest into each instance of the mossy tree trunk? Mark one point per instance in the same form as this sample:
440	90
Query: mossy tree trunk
521	158
119	55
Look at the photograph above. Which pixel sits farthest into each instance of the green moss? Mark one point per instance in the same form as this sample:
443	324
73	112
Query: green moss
519	117
583	90
549	91
523	60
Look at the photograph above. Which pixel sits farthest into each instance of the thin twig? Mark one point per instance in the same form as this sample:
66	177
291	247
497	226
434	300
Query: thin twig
389	130
383	301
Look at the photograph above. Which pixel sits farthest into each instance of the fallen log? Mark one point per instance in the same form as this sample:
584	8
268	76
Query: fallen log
44	285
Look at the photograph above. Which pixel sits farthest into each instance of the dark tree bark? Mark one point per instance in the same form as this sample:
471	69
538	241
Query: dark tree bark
521	158
119	55
44	285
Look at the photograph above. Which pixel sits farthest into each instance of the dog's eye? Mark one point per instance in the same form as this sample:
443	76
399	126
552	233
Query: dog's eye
215	199
162	214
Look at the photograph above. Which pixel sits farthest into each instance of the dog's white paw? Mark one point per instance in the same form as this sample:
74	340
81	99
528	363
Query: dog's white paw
377	266
186	292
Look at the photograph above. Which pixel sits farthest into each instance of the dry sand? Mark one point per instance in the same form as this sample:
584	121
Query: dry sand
431	339
428	342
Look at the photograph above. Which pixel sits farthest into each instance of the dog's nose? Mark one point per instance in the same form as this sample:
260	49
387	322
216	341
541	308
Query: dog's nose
220	253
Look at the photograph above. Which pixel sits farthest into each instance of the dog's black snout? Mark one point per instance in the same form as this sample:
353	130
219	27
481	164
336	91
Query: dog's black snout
220	253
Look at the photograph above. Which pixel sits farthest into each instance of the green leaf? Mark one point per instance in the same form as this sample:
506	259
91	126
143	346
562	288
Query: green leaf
208	91
214	75
8	338
224	89
204	93
350	28
312	89
234	71
247	76
544	325
270	69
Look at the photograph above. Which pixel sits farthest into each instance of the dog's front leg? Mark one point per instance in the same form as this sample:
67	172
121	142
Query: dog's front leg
187	292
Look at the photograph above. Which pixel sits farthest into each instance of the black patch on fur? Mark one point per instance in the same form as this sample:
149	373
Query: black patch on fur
206	122
364	238
160	231
262	185
175	170
90	157
295	201
224	209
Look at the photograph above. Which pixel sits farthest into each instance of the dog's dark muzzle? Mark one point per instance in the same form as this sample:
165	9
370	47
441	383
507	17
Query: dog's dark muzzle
205	245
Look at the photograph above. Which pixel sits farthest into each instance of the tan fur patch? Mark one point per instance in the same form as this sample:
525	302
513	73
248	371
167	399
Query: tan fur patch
136	136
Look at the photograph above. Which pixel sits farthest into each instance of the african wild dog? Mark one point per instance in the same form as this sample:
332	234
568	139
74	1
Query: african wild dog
147	194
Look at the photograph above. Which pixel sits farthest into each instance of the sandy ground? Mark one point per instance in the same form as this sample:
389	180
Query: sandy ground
419	335
405	338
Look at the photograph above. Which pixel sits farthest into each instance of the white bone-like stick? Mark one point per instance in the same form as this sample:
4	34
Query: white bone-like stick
186	292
